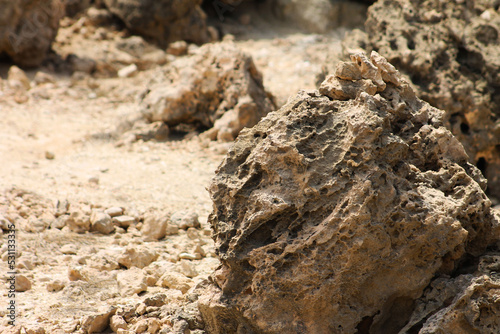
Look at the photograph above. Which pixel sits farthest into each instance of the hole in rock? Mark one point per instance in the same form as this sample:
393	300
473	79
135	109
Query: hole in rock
364	326
464	127
481	164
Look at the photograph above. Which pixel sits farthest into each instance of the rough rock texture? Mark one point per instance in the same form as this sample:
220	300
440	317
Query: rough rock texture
451	52
27	29
334	213
218	87
164	21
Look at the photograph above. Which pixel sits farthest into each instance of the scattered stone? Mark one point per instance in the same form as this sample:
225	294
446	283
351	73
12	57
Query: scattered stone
164	22
18	79
187	268
323	202
97	323
55	286
174	280
124	221
155	226
35	330
81	65
185	219
131	281
188	256
76	273
128	71
74	7
178	48
193	233
114	211
219	87
101	222
69	249
78	222
137	257
22	283
116	322
43	78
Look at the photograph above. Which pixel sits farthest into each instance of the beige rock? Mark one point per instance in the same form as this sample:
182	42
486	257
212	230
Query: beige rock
22	283
101	222
18	79
114	211
97	323
128	71
174	280
56	285
155	226
178	48
69	249
218	87
131	281
138	257
35	330
78	222
117	322
123	221
185	219
43	78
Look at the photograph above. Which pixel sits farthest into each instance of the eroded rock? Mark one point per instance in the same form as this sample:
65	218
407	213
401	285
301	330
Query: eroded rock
219	88
164	21
28	28
332	216
450	52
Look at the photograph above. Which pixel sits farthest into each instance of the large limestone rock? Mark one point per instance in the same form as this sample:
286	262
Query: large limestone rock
219	87
450	50
28	28
164	21
333	214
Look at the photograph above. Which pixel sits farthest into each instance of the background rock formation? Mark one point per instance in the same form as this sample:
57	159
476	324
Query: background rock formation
219	87
451	53
164	21
27	29
334	213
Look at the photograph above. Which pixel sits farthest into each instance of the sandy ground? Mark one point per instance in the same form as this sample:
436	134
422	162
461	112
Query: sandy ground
57	143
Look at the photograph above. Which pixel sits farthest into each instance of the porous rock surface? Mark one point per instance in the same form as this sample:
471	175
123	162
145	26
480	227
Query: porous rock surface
28	28
164	21
450	50
334	213
218	88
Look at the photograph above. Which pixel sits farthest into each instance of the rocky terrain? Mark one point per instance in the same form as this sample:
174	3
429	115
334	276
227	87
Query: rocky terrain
213	167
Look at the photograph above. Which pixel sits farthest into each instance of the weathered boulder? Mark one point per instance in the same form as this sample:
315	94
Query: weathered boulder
164	21
334	213
219	87
27	29
450	50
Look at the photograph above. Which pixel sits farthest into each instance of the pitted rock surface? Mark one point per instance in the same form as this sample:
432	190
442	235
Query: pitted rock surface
334	213
218	88
451	52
